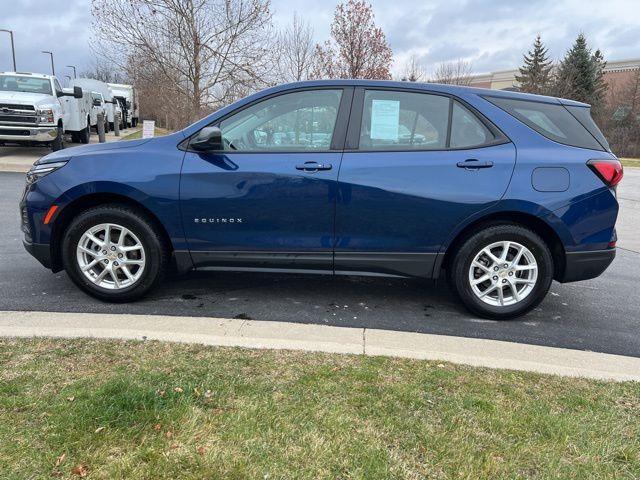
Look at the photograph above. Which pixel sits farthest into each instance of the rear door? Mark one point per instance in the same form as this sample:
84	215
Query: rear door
416	164
268	199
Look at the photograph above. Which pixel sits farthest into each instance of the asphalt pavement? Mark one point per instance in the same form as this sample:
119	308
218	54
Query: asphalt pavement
601	315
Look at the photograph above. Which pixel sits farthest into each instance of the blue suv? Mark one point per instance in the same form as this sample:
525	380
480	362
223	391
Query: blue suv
500	192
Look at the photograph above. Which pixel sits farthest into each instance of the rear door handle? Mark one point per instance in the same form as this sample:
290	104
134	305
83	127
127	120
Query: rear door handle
473	164
314	166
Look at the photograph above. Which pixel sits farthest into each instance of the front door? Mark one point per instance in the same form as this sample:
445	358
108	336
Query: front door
416	165
268	199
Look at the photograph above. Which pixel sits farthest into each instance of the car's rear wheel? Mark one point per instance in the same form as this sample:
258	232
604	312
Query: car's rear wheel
114	253
502	271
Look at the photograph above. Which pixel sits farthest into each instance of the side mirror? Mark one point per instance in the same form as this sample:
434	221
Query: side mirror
96	102
209	138
77	92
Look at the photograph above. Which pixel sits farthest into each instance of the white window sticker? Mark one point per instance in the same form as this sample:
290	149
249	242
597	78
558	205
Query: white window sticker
385	119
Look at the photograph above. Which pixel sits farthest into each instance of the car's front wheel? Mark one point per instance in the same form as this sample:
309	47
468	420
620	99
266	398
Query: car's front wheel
114	253
502	271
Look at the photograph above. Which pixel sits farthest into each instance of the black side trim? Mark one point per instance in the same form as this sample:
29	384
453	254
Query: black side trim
385	263
259	261
40	251
586	265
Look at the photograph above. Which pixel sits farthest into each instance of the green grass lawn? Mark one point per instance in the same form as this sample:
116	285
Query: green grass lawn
159	132
154	410
630	162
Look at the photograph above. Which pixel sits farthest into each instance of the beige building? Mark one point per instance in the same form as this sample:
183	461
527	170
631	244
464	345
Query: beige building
617	73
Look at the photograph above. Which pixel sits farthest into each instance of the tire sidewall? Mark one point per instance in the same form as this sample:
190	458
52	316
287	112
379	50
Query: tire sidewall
125	218
470	249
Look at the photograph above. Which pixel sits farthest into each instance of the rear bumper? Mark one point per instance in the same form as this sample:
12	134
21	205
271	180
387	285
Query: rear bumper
27	133
586	265
40	251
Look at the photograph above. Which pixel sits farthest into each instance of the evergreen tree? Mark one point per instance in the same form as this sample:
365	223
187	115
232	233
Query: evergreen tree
580	75
535	74
600	86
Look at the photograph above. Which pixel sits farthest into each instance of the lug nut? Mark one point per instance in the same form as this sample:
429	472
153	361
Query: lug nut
496	268
104	252
511	274
113	249
106	261
495	278
120	255
506	265
504	280
115	264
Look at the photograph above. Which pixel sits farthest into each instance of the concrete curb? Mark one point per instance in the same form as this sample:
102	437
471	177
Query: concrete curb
322	338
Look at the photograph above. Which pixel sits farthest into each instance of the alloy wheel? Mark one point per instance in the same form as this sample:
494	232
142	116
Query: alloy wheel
111	256
503	273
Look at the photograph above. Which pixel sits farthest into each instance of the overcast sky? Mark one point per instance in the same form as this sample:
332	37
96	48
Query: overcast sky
491	34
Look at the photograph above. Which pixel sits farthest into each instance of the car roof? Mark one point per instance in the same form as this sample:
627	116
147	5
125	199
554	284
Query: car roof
431	87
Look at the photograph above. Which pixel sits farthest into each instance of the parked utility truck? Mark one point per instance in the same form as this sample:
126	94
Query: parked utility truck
111	105
35	109
128	101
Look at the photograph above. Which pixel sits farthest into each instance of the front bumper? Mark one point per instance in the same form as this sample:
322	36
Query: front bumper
40	251
27	133
586	265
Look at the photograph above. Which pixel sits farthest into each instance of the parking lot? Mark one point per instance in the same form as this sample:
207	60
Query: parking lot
598	315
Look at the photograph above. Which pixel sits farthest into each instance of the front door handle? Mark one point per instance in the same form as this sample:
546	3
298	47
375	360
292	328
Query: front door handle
314	166
473	164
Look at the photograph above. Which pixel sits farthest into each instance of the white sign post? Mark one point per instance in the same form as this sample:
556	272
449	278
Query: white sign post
148	128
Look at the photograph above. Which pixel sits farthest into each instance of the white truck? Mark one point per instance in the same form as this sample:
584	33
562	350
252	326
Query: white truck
98	107
35	109
128	101
112	107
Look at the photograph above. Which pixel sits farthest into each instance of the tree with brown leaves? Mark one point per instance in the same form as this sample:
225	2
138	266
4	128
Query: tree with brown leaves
358	48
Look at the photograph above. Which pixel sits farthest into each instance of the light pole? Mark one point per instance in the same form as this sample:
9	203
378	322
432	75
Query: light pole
74	70
13	50
53	69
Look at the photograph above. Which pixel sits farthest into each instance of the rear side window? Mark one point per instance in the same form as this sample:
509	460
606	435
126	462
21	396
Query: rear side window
466	129
394	120
553	121
583	114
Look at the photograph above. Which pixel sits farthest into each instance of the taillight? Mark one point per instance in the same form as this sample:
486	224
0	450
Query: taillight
609	171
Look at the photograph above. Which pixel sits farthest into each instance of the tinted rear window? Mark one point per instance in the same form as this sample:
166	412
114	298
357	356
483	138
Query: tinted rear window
551	120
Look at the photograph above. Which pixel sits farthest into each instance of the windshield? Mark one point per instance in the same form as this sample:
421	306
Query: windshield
15	83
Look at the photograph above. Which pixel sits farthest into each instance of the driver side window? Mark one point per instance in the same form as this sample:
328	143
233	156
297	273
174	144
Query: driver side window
299	121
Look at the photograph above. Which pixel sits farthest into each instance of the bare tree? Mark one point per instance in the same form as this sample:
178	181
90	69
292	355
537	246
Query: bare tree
453	73
104	71
200	49
358	48
413	70
620	117
296	51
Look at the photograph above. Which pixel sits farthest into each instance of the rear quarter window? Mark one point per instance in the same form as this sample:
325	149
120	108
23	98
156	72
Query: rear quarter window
553	121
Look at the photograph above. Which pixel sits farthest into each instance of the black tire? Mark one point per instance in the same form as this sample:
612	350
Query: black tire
156	253
459	268
58	142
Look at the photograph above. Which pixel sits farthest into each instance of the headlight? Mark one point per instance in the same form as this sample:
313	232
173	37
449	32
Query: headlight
45	115
39	171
